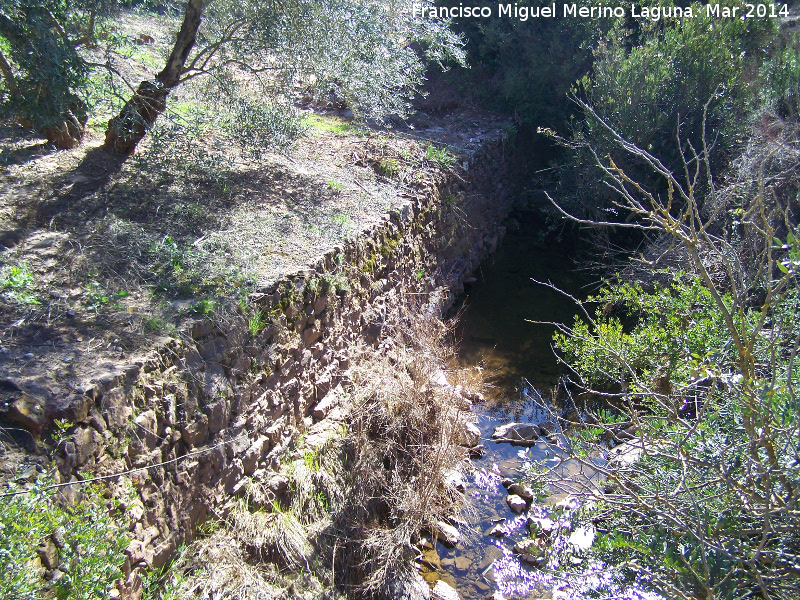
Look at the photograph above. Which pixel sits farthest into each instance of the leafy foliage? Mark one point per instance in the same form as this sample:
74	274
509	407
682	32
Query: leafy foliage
696	515
664	79
439	155
678	329
45	79
88	542
19	283
368	56
507	58
260	126
702	374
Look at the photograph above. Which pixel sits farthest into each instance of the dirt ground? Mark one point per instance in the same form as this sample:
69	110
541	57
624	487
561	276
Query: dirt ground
102	257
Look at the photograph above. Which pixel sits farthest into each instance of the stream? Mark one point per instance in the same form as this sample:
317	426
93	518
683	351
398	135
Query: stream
515	358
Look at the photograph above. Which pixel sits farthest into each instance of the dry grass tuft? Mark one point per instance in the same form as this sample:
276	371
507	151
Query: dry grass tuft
217	568
276	536
401	444
357	505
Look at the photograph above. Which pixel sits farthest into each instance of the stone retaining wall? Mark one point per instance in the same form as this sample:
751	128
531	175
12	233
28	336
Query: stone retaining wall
221	404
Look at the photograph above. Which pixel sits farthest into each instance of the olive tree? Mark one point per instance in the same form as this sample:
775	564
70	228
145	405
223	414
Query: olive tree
44	70
368	54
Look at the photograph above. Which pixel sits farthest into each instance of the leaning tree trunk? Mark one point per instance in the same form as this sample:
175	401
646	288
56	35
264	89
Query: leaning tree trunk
128	128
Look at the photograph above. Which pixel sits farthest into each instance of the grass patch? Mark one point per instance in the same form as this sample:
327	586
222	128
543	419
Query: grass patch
439	155
96	298
256	323
204	307
311	460
152	323
342	221
18	282
327	123
388	167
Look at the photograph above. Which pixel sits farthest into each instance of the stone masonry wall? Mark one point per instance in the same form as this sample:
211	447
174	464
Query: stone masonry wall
220	405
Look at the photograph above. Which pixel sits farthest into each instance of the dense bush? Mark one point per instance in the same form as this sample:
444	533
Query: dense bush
649	89
676	326
87	542
699	376
710	508
527	67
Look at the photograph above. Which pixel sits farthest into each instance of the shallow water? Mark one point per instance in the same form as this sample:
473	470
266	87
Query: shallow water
500	344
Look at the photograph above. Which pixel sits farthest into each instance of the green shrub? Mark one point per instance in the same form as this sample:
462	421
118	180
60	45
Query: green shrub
88	541
676	325
95	297
701	373
527	67
176	268
705	510
260	126
781	75
342	221
45	79
18	282
687	76
256	324
439	155
204	307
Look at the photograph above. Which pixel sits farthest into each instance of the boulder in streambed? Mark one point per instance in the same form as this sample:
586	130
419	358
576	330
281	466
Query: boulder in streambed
517	434
469	435
444	591
568	504
582	538
454	479
463	562
515	503
409	587
549	430
447	534
626	454
523	491
476	451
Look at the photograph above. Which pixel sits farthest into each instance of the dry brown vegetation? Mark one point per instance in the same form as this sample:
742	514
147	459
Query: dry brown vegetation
356	506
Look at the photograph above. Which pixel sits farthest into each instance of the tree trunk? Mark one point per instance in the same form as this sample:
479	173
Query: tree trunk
8	75
69	132
128	128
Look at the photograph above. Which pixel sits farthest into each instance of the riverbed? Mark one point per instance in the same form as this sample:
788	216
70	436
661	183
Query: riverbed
513	358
